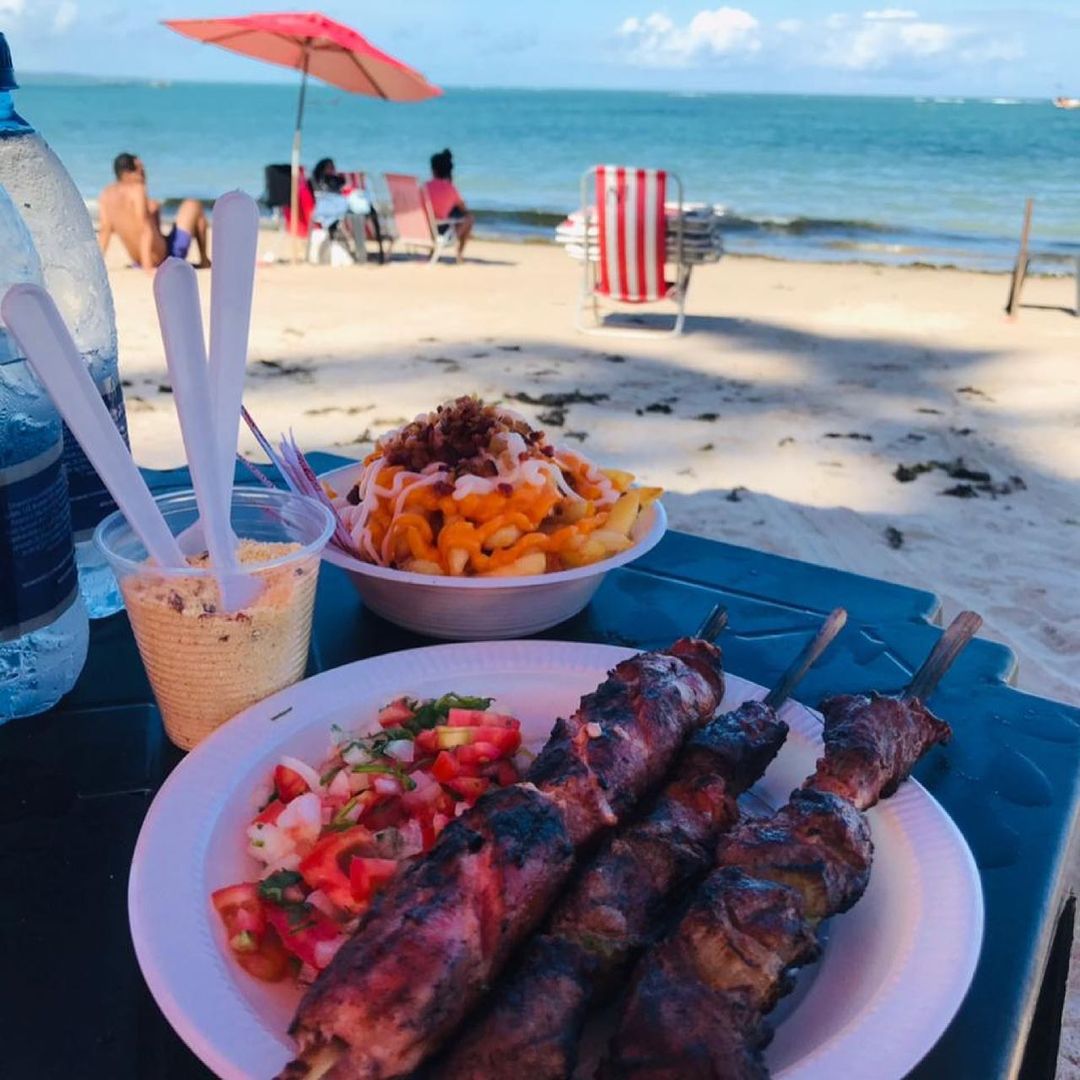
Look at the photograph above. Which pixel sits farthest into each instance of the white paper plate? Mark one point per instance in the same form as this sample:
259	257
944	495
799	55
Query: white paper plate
895	968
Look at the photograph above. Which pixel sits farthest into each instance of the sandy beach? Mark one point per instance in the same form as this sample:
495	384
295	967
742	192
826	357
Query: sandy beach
781	420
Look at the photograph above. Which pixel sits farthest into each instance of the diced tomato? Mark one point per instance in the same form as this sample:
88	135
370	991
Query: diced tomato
469	788
288	783
324	866
240	908
271	812
269	962
480	753
507	740
301	929
480	718
446	767
504	772
427	742
367	876
385	814
256	947
395	714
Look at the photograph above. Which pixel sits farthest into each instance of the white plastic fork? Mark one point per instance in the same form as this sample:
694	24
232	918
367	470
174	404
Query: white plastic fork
176	292
232	281
32	317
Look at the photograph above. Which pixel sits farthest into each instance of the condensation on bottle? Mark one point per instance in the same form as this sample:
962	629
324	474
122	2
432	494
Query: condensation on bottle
43	625
74	272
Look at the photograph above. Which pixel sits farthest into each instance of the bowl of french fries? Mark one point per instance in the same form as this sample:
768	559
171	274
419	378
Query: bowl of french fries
468	524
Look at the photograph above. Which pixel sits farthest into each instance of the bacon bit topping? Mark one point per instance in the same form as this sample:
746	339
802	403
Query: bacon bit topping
457	435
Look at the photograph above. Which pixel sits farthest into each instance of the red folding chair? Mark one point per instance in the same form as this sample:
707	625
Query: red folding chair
414	219
626	243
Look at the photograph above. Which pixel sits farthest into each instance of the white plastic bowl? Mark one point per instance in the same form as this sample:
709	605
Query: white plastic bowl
479	608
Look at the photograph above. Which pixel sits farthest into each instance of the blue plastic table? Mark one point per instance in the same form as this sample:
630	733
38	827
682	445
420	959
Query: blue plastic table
76	782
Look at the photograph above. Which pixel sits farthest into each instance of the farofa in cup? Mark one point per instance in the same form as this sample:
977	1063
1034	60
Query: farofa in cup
473	490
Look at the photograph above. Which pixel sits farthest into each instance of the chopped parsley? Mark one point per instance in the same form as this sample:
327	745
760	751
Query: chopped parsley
272	887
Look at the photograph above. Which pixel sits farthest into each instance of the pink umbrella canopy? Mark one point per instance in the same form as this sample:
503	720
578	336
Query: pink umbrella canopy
315	45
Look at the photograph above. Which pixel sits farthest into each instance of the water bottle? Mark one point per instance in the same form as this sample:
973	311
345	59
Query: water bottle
43	626
63	234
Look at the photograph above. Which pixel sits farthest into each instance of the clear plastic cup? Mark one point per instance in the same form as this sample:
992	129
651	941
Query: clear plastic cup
205	664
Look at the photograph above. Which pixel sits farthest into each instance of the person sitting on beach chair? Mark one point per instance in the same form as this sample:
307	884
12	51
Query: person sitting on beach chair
341	201
126	209
446	202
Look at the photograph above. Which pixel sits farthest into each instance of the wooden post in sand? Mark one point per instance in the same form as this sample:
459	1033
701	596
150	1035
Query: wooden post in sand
1020	268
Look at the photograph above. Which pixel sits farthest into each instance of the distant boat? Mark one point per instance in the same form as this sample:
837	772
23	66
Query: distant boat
1067	103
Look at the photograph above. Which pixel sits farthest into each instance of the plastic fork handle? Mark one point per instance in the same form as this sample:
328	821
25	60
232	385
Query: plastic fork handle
32	316
232	283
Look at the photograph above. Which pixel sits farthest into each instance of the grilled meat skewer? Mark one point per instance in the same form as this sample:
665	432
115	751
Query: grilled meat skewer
442	930
532	1022
697	1006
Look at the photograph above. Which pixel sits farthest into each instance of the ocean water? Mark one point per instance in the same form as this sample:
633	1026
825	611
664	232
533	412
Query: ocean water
931	180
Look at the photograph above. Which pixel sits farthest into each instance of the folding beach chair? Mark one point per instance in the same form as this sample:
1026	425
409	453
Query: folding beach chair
627	244
356	180
278	196
413	216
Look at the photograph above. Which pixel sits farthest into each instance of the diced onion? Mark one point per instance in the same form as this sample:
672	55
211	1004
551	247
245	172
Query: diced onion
400	750
321	902
339	786
354	755
325	950
311	777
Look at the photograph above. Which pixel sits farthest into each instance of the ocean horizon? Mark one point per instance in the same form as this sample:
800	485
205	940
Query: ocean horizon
898	180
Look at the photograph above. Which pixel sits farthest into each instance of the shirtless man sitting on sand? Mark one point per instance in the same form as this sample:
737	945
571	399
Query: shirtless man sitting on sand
126	209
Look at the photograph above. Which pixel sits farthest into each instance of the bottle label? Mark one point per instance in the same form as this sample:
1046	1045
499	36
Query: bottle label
38	582
90	499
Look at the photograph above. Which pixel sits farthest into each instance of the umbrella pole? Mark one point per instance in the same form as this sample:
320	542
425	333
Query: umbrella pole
294	195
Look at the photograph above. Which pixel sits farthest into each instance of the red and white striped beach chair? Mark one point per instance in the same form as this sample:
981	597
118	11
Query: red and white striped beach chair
628	259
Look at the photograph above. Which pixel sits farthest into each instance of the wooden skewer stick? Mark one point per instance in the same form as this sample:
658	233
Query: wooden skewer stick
949	646
806	659
315	1062
713	624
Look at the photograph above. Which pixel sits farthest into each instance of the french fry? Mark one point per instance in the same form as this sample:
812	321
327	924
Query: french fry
527	566
592	550
612	541
502	538
573	510
424	566
649	495
620	479
457	560
624	513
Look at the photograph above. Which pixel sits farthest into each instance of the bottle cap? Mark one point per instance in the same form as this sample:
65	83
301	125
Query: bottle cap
7	69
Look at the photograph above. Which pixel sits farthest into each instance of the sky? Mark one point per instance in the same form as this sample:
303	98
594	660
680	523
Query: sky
982	47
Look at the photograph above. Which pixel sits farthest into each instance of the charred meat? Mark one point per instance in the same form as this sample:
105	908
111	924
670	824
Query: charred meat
425	954
532	1023
698	1004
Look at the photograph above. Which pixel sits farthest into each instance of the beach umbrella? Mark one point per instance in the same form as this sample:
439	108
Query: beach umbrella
315	45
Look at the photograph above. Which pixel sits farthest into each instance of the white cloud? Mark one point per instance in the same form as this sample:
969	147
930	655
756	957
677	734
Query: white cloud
42	17
880	41
65	15
657	41
896	38
891	13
